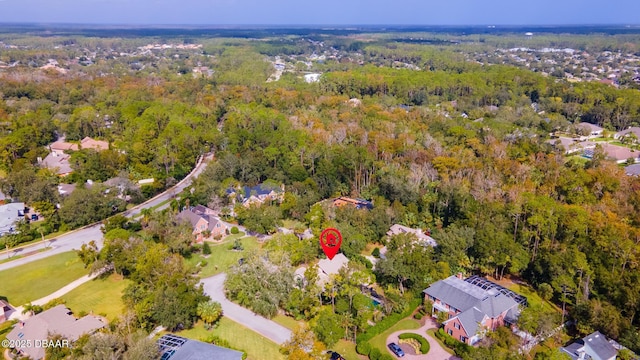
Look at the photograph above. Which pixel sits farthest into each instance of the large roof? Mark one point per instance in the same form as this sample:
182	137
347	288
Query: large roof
401	229
57	320
598	347
9	214
178	348
60	163
470	320
328	267
465	295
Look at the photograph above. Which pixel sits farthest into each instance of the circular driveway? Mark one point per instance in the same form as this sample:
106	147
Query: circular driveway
436	352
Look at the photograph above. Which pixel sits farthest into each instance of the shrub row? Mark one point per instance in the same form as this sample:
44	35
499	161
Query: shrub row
424	343
458	347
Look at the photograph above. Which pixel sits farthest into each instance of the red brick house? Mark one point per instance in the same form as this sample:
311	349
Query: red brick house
205	225
474	305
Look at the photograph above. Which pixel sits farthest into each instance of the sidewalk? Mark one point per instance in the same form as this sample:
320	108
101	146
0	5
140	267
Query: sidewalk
17	312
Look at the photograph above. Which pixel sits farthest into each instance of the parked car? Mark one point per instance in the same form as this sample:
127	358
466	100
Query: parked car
335	355
396	349
34	217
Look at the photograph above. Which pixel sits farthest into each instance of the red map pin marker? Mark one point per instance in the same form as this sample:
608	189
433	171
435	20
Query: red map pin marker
330	240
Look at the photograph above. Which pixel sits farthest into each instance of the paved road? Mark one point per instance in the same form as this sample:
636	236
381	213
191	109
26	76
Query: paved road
74	239
214	287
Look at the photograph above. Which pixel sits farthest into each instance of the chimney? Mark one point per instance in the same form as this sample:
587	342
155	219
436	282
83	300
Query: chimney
459	276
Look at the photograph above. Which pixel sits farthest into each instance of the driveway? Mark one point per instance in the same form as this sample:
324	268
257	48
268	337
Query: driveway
214	287
436	352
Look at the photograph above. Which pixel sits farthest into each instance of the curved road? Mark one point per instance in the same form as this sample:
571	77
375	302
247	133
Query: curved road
214	287
74	239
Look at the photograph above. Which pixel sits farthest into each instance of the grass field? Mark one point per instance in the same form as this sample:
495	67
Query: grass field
380	341
221	257
40	278
103	296
347	349
532	297
255	345
287	321
5	328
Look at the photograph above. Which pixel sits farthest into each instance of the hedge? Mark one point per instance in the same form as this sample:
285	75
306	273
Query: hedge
458	347
388	322
424	343
375	354
363	348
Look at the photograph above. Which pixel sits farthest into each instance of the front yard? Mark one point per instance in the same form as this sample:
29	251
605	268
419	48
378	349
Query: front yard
380	341
255	345
37	279
222	257
102	296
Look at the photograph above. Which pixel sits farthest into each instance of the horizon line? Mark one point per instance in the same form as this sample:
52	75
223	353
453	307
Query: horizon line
315	25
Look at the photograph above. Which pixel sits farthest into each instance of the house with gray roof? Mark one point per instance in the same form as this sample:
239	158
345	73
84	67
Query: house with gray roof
632	132
57	320
256	195
591	130
9	215
474	305
173	347
593	346
632	170
397	229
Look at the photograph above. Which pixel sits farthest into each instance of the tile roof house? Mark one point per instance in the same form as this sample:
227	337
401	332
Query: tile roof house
474	305
98	145
205	225
57	320
634	130
9	215
397	229
59	147
58	162
592	130
632	170
175	347
256	195
328	267
571	145
620	154
357	203
594	346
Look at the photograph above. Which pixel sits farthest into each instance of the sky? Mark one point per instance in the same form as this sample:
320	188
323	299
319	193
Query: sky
326	12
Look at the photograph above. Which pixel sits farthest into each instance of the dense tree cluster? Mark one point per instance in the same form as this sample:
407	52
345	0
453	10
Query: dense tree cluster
455	147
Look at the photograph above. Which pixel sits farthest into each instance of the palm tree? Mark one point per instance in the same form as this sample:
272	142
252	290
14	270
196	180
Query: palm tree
146	215
209	312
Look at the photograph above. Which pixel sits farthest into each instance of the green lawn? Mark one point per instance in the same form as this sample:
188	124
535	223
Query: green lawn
230	238
532	297
40	278
380	341
287	321
5	328
221	258
103	296
239	337
347	349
